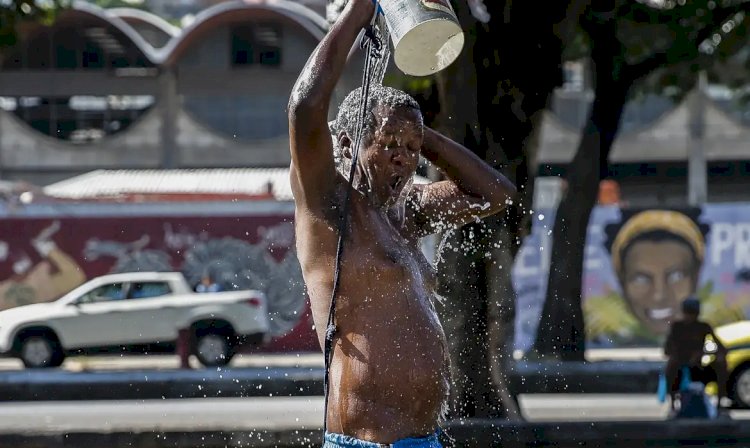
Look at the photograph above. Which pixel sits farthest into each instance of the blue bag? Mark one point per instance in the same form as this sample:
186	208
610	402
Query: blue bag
661	390
694	403
685	380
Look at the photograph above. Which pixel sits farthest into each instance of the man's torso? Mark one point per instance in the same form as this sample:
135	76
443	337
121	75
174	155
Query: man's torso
389	369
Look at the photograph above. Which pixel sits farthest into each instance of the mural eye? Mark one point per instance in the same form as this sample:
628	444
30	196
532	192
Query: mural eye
676	276
641	280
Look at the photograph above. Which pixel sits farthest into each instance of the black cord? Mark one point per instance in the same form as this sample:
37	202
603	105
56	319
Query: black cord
372	45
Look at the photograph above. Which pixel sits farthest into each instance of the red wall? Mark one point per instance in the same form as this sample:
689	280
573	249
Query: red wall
42	258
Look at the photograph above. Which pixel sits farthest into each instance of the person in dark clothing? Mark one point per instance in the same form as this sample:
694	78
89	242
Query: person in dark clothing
684	348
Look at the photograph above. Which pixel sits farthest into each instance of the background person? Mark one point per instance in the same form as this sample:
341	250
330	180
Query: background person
684	347
208	284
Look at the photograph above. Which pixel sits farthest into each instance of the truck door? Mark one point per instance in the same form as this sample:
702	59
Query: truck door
99	319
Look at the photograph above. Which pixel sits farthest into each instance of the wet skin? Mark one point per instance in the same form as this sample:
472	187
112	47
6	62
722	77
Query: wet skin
389	369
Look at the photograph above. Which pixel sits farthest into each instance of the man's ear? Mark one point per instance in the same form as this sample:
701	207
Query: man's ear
345	143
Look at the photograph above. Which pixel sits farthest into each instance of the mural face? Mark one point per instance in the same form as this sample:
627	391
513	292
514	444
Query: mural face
42	259
657	256
656	278
639	266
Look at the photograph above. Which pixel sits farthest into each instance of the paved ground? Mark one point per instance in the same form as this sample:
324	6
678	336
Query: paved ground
280	413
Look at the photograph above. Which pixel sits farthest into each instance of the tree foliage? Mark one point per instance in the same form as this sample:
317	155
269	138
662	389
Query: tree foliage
631	45
13	13
120	4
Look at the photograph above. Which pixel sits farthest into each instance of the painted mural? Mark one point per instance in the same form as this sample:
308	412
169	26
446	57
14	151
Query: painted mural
639	266
42	259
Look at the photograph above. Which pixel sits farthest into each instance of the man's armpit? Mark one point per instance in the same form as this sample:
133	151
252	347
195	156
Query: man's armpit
327	209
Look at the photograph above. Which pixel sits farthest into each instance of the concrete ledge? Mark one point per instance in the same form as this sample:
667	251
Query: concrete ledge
600	377
470	433
485	433
54	385
527	377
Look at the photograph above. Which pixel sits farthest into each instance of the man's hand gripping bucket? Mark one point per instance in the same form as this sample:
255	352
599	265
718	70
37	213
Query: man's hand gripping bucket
425	33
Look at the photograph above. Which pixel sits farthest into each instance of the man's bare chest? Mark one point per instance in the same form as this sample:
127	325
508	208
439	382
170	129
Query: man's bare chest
378	252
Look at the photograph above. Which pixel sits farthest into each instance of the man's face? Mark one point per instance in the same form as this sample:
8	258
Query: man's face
390	159
656	278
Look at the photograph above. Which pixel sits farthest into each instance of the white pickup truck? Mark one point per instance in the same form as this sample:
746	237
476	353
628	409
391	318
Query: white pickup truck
139	311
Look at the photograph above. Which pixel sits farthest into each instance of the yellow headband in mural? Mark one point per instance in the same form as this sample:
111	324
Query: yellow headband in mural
655	220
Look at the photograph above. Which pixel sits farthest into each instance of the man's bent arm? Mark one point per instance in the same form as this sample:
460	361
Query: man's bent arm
313	167
474	189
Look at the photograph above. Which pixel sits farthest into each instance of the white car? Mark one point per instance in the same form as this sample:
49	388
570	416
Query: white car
140	311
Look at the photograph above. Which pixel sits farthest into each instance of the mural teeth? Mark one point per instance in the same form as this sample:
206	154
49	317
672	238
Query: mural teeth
660	313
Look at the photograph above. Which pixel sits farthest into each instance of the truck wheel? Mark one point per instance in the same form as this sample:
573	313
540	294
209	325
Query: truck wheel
39	351
213	348
740	388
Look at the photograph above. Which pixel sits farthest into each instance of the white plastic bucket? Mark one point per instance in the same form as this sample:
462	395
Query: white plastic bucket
425	33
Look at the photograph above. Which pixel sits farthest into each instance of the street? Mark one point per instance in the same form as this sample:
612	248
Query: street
275	413
281	413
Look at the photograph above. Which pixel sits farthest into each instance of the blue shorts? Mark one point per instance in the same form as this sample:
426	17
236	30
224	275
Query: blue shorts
333	440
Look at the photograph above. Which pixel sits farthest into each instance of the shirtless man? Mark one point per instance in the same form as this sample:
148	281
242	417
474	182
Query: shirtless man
389	375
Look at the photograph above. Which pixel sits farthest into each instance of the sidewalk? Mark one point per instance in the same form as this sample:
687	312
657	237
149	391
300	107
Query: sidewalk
568	421
280	413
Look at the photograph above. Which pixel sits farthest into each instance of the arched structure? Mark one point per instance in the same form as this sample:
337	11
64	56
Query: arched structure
155	30
58	64
211	95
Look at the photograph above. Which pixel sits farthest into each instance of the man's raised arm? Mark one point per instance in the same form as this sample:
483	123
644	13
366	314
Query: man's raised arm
473	189
312	169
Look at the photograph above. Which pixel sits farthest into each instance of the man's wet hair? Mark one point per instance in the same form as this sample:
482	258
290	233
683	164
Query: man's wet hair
349	110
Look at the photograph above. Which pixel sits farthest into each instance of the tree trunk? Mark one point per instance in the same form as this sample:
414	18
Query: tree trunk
462	268
561	332
491	100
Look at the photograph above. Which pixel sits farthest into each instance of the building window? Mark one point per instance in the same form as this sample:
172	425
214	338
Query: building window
242	46
256	44
74	48
79	119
